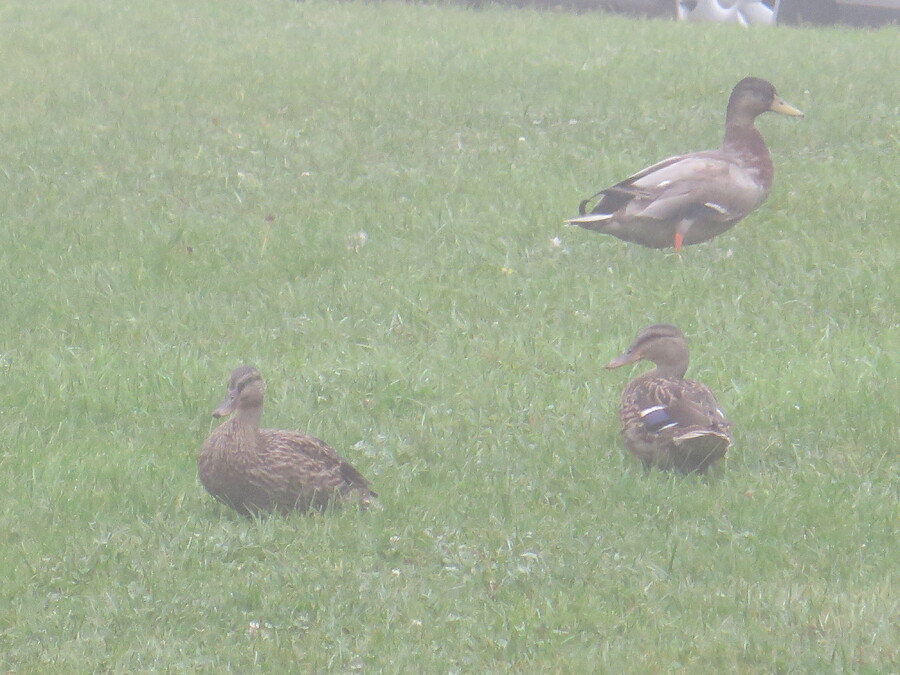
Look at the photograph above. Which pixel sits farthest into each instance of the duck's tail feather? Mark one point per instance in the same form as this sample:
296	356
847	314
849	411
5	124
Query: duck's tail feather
714	435
590	221
697	448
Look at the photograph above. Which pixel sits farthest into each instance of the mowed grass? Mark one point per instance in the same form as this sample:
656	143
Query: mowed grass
183	188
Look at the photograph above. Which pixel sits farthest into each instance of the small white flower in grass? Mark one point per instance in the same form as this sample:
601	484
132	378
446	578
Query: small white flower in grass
395	572
260	629
521	139
573	121
355	242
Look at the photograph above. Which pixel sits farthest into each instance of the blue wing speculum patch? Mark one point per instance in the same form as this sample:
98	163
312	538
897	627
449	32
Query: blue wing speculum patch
656	418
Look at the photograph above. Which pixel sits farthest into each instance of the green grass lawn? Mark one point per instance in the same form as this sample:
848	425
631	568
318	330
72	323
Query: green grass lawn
182	188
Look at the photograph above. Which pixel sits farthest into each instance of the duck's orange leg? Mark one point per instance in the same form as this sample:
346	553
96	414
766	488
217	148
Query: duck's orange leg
680	232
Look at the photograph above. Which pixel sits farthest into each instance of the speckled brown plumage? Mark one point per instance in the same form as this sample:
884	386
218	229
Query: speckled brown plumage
668	421
257	470
688	199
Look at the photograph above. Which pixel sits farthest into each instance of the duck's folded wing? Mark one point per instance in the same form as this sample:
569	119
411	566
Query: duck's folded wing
700	185
677	405
695	185
294	448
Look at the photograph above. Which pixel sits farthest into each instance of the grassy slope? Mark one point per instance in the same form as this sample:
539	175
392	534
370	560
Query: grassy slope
178	184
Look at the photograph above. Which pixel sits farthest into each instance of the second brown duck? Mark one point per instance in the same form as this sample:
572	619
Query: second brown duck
668	421
256	471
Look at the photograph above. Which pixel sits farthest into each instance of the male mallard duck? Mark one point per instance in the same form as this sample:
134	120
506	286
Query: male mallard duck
688	199
258	470
668	421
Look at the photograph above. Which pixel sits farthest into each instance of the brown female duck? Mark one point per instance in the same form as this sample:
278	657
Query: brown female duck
257	470
688	199
668	421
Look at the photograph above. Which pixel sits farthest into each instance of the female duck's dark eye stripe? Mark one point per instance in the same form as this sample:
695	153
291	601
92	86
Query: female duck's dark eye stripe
656	418
244	381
